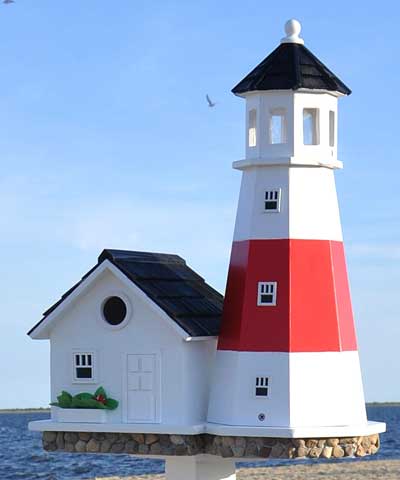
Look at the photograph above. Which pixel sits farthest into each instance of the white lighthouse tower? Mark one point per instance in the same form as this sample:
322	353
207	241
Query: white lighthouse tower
287	363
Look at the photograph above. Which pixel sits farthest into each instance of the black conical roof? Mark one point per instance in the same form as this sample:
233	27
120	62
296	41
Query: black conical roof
289	67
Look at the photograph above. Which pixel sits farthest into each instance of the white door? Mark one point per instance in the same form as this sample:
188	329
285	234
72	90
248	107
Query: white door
141	388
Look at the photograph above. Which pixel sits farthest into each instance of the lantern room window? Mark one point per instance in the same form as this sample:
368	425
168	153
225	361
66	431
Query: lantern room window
277	127
311	126
83	367
267	294
331	128
262	386
252	140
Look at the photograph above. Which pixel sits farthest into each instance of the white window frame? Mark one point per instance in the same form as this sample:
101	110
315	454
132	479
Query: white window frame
272	192
278	112
84	354
315	126
267	288
257	384
252	128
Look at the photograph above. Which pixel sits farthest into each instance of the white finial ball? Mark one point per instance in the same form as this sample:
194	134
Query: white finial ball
292	28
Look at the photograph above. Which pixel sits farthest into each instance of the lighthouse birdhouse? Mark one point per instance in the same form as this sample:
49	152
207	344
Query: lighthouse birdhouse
146	357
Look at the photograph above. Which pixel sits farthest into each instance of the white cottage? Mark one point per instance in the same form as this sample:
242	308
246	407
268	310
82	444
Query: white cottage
143	326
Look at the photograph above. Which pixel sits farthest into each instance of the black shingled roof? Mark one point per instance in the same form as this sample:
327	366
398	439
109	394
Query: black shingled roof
171	284
289	67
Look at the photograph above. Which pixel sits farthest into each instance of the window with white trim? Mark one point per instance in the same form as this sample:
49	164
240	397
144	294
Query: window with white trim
311	126
267	293
83	366
252	140
272	200
277	126
262	386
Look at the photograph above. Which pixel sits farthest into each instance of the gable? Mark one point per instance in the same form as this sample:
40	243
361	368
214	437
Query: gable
174	290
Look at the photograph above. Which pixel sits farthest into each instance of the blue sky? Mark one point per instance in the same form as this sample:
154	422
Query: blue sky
106	141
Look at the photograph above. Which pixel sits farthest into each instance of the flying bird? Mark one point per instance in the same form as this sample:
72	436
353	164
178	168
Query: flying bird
210	102
8	1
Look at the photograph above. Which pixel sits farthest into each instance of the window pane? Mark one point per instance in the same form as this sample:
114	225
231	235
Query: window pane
252	128
262	391
84	372
77	358
310	126
331	128
277	128
267	298
271	205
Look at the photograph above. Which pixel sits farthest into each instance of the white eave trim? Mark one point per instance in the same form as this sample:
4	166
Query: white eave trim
285	161
42	330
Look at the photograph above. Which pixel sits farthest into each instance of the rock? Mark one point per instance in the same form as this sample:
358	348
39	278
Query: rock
360	452
49	437
131	447
240	442
143	449
50	446
164	440
177	439
155	449
366	443
277	451
118	447
71	437
315	452
226	451
327	452
80	446
60	441
299	442
85	436
321	443
302	451
69	447
105	446
228	442
374	439
311	443
349	450
338	451
150	438
111	437
93	446
239	451
180	450
251	450
291	452
138	437
373	449
332	442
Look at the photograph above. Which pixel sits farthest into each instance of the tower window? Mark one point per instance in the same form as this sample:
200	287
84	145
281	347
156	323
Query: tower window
272	200
267	293
83	367
277	127
311	126
331	128
252	128
262	386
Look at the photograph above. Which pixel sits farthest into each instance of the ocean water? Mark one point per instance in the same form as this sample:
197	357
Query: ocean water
22	456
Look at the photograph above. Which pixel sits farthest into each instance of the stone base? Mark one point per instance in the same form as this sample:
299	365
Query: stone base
240	448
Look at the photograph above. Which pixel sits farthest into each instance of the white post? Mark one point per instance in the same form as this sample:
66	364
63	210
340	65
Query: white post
201	467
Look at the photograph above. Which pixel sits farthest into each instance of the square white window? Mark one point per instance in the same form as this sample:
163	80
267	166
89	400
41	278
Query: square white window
277	127
252	140
272	200
262	386
267	293
331	128
84	367
311	126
